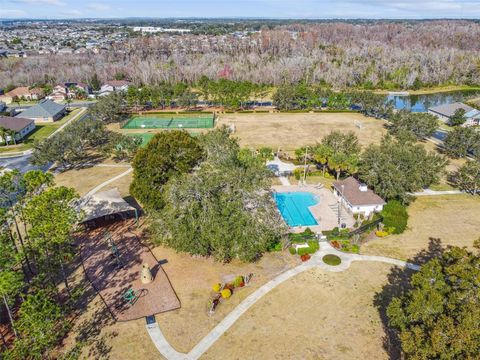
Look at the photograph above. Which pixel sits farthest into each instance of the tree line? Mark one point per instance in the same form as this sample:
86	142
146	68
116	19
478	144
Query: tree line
37	249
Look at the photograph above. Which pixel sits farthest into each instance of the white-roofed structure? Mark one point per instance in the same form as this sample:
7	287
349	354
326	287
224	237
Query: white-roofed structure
104	207
279	167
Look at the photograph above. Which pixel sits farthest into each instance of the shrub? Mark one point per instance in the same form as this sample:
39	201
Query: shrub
292	250
305	257
226	293
238	282
216	287
332	260
297	173
308	231
395	216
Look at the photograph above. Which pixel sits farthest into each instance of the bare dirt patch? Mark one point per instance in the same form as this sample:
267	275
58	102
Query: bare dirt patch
291	131
452	218
315	315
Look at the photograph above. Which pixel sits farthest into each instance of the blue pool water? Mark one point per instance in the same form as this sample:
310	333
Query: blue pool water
294	207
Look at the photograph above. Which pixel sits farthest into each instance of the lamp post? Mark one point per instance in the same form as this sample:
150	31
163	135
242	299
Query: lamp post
305	166
340	206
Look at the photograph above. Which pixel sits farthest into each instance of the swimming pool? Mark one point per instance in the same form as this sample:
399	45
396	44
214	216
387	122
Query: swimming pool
294	207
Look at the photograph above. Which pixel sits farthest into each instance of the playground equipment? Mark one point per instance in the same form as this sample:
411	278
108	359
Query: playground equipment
146	276
131	296
113	248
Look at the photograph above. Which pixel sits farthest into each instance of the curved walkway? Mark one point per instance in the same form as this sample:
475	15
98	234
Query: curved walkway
105	183
170	353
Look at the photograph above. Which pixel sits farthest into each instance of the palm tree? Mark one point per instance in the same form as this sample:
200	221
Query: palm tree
321	155
12	134
3	135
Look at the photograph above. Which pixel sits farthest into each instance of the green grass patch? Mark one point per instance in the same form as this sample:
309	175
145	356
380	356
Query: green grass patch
332	260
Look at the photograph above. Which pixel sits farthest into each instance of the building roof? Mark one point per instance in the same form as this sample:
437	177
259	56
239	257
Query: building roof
352	193
449	109
45	108
14	123
117	83
23	91
102	204
472	114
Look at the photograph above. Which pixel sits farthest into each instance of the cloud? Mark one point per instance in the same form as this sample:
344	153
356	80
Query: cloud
98	7
42	2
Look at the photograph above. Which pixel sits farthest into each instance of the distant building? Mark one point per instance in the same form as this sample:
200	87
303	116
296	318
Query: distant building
69	90
114	86
21	126
44	111
357	197
24	93
446	111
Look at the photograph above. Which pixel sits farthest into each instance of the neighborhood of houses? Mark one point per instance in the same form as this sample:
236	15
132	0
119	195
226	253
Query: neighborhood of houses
51	107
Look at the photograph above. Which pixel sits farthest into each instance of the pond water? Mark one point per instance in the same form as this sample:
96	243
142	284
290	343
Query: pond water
421	103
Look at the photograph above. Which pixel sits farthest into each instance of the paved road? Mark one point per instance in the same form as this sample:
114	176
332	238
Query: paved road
73	104
22	161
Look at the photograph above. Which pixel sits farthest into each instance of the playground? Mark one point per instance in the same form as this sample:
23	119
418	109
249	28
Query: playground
113	257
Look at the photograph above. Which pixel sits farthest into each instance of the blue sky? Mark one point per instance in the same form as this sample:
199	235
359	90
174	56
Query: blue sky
413	9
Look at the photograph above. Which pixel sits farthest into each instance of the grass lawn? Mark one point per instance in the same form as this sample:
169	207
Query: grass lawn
315	315
84	180
291	131
451	218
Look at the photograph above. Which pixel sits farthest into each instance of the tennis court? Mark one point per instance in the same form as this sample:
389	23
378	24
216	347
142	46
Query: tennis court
159	121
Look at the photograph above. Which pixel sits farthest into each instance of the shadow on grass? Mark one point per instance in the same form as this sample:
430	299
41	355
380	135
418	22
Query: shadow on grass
398	284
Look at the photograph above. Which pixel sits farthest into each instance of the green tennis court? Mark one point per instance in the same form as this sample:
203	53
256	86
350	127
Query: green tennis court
170	122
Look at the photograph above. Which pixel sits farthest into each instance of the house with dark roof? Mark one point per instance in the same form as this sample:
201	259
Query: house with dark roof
446	111
356	197
44	111
22	127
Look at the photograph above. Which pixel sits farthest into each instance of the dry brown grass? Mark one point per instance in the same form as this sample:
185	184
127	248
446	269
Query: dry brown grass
122	184
291	131
315	315
84	180
192	279
452	218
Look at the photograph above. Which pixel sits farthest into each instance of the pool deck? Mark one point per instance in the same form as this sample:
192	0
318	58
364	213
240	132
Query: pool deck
324	212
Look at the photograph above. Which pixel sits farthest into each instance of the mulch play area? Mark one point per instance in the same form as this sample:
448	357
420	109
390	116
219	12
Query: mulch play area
112	257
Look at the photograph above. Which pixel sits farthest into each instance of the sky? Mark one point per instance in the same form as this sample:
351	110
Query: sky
305	9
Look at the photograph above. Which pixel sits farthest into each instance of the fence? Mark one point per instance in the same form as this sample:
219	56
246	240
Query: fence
170	122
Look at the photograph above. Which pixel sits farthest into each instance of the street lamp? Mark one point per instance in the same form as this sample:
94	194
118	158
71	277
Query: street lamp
305	166
340	206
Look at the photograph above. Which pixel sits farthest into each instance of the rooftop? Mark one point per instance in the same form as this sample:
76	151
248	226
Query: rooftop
449	109
45	108
14	123
357	193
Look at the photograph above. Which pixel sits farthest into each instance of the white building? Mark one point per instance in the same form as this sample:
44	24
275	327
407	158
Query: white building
357	198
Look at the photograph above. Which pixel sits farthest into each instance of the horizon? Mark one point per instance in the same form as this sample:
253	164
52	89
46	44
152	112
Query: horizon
242	9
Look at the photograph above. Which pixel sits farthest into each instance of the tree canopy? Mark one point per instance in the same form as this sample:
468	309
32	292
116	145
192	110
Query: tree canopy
394	169
439	316
168	154
416	126
224	208
461	142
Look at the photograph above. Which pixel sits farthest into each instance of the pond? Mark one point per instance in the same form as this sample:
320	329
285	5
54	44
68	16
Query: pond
421	103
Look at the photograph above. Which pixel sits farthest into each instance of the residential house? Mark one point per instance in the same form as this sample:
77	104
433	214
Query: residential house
24	93
472	118
45	111
356	197
446	111
69	90
22	127
114	86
